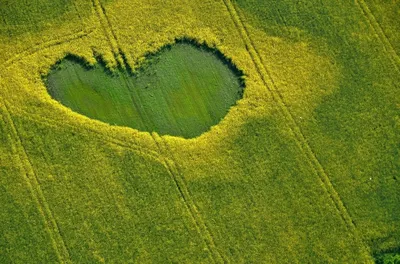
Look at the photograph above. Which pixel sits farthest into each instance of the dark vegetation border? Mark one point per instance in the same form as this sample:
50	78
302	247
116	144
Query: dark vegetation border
150	57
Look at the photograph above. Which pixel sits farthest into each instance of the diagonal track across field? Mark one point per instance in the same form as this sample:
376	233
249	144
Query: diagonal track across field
34	185
308	152
380	34
186	196
109	32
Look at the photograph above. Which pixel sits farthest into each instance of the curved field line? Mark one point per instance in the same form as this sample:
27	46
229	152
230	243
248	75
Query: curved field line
380	34
37	193
105	138
46	45
293	126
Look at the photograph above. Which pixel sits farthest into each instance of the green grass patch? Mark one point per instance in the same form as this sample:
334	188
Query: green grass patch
182	90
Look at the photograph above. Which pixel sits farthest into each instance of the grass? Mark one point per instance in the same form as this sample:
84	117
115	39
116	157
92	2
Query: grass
302	169
182	91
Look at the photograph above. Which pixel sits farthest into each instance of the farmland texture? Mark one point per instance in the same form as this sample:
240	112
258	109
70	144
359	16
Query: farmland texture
304	168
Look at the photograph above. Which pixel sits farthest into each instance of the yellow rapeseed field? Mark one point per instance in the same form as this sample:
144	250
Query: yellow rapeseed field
303	169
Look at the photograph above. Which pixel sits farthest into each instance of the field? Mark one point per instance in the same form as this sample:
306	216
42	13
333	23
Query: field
111	151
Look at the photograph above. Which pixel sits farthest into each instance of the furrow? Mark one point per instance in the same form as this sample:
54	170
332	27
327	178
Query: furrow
380	34
293	126
37	193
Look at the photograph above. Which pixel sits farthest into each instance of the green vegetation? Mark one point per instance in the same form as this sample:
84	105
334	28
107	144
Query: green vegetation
303	169
182	91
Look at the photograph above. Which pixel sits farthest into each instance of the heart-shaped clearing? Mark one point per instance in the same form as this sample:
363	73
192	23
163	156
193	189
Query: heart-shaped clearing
182	90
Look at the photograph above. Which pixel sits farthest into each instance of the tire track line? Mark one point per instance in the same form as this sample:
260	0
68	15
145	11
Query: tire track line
189	202
37	192
168	163
293	126
109	32
89	132
42	46
380	34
